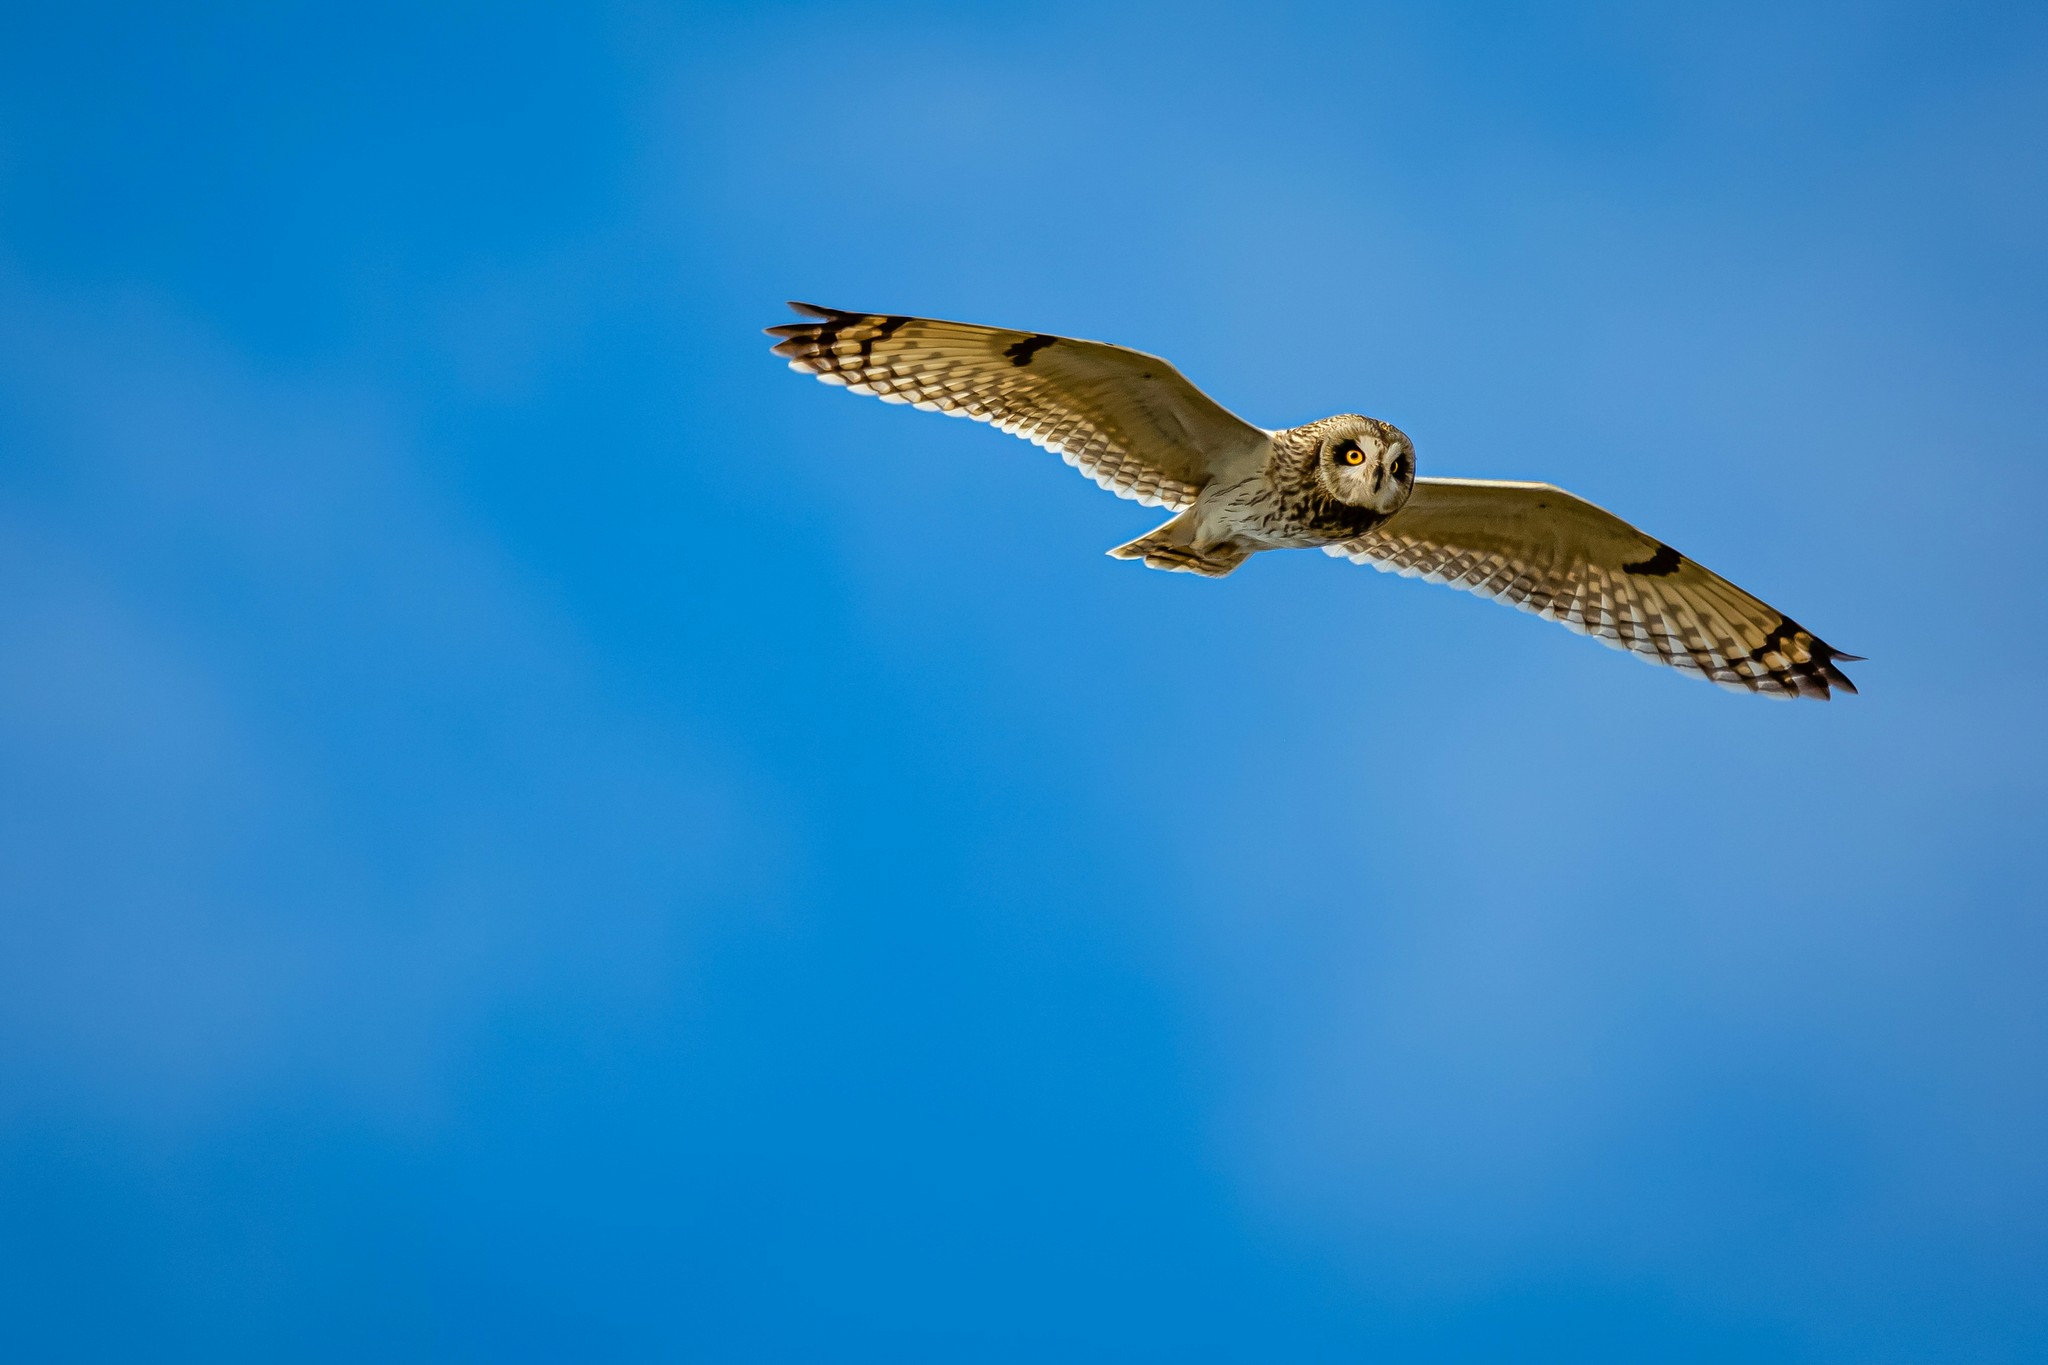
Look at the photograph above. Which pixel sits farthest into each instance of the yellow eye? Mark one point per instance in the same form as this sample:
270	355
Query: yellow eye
1354	456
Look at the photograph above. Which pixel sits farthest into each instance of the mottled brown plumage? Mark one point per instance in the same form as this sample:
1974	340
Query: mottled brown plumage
1345	484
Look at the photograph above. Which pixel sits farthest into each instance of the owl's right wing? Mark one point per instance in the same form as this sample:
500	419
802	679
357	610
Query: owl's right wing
1540	549
1127	420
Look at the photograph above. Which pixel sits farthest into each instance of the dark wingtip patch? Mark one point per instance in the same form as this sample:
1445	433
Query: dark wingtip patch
1665	561
1780	636
889	324
1829	658
1815	677
1021	353
812	310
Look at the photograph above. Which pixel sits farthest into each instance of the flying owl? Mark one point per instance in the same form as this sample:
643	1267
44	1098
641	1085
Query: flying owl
1345	485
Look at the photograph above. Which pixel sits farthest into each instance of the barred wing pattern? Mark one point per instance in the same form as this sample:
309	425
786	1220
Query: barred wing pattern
1127	420
1545	551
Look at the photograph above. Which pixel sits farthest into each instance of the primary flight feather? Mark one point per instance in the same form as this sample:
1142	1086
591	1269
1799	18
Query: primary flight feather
1345	485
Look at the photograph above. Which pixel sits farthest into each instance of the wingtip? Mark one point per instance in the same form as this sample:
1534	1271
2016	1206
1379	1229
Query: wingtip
816	312
1835	676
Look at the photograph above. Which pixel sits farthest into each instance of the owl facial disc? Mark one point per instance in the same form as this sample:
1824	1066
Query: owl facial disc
1367	464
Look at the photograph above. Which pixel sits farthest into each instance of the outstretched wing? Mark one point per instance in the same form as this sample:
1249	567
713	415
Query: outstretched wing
1541	549
1127	420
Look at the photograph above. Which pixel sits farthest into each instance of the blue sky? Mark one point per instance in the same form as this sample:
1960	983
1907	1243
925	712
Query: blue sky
529	832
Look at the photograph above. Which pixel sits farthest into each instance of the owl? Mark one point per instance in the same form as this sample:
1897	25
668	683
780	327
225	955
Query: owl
1346	485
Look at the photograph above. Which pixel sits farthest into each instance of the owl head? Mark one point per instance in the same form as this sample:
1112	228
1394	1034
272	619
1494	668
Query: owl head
1365	463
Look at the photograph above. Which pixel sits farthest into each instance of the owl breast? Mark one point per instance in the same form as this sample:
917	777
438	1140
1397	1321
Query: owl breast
1281	508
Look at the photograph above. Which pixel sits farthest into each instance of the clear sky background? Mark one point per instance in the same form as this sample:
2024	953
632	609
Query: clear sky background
529	832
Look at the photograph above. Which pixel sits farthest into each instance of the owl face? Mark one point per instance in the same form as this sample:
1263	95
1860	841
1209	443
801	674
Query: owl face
1369	465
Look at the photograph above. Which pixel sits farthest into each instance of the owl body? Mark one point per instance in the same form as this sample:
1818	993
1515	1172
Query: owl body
1346	484
1314	486
1306	495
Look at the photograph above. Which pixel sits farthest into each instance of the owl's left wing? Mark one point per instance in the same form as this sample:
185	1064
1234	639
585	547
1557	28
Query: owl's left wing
1545	551
1127	420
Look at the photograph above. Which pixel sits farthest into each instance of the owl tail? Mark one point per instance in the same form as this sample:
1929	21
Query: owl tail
1168	548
